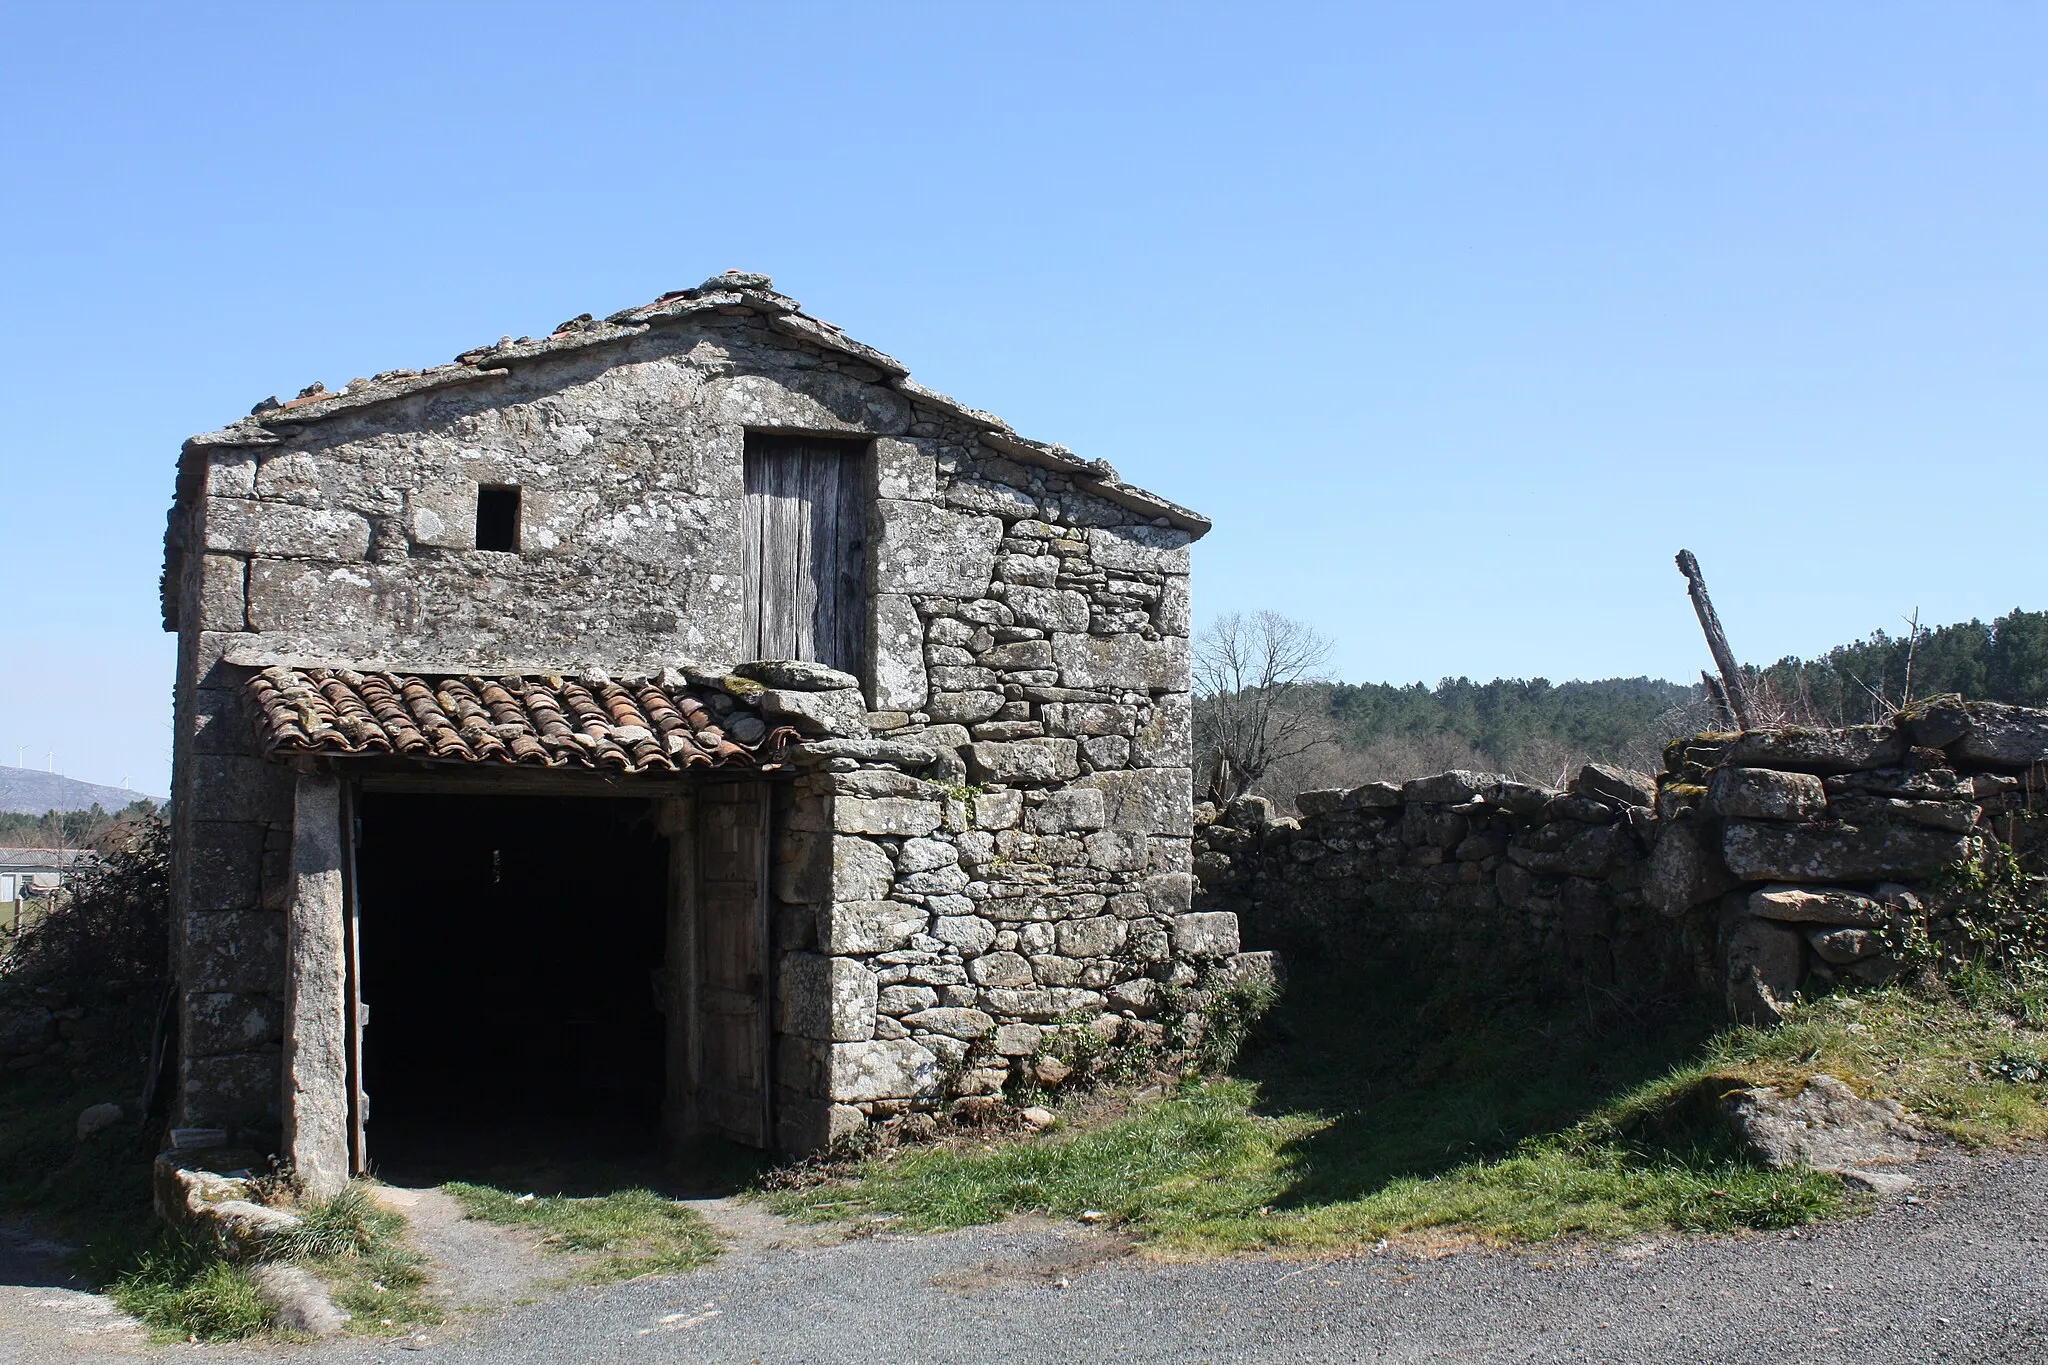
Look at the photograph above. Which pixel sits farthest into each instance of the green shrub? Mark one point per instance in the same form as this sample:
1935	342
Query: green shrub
1985	923
112	921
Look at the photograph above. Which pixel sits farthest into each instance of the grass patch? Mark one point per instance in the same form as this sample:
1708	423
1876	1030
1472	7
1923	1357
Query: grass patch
629	1233
180	1285
1367	1108
358	1247
95	1196
1958	1060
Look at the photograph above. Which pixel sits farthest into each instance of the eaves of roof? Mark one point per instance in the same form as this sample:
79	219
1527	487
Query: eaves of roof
665	724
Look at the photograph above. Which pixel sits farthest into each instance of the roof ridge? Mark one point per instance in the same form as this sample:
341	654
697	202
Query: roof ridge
730	292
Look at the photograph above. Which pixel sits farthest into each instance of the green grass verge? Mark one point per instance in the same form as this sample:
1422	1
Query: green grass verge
625	1234
95	1194
358	1246
1368	1110
182	1286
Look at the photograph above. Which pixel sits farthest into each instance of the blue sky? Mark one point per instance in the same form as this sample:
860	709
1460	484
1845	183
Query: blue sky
1459	319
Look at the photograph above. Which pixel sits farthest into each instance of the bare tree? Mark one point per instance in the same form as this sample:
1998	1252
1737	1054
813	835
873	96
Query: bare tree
1254	707
1547	760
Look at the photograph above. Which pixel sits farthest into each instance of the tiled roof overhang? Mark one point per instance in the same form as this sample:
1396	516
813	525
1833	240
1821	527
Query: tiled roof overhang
530	720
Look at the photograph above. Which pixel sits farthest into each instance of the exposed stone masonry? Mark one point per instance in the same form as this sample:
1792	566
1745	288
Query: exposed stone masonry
1012	851
1756	864
46	1031
1803	844
988	831
1459	872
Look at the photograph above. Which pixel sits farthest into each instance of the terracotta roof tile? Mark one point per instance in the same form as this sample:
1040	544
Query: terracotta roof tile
632	726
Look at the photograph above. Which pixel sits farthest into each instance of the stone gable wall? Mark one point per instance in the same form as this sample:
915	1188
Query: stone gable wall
1753	866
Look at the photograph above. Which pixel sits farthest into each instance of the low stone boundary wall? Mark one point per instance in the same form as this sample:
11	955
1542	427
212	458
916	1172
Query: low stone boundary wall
1755	864
1461	872
50	1031
1806	844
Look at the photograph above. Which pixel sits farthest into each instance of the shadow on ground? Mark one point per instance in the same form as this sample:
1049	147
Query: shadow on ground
1418	1077
28	1261
565	1155
70	1206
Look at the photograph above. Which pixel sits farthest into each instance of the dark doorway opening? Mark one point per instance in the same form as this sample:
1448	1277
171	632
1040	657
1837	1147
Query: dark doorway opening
510	968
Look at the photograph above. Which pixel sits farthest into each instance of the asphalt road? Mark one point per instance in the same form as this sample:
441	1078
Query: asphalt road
1961	1275
1958	1275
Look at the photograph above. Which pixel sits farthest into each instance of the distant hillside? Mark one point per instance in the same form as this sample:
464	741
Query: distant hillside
1856	683
1543	731
24	791
1505	717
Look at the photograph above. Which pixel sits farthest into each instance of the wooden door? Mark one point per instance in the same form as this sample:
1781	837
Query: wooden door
806	550
731	1012
677	819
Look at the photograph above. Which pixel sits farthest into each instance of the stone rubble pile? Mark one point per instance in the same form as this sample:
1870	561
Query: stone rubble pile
1755	864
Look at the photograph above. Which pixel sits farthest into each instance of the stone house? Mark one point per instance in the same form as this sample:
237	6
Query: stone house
684	719
31	877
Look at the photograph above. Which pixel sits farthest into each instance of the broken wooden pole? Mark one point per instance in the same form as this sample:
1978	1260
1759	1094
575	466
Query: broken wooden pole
1718	695
1717	640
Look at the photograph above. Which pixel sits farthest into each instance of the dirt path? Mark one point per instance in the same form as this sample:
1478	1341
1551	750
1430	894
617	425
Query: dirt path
480	1270
478	1267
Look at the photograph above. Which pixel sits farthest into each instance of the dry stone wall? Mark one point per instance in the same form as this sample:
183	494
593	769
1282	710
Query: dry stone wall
1458	873
1754	867
72	1031
1802	846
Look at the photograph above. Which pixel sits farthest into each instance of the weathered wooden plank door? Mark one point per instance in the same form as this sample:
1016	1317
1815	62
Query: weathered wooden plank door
806	550
677	819
732	970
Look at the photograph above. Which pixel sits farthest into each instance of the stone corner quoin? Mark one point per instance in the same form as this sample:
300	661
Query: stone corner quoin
983	831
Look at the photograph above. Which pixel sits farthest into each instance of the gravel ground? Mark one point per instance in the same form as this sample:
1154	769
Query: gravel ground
46	1316
1955	1275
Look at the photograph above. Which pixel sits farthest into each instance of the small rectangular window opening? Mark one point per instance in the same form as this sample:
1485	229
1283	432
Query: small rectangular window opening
497	518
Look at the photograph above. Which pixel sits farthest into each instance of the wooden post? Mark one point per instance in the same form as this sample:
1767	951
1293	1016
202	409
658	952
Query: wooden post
1718	695
1717	639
